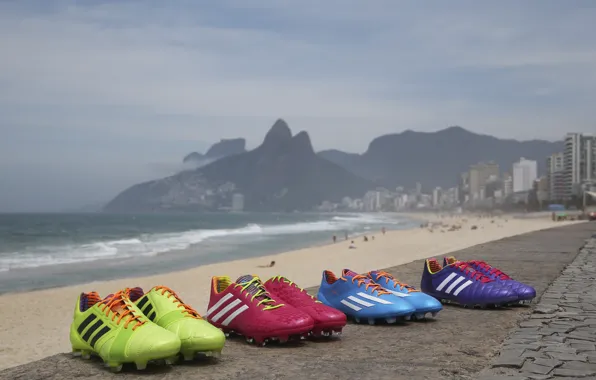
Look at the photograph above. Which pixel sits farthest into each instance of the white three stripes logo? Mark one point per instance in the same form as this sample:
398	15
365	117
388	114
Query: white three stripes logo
225	305
453	284
350	300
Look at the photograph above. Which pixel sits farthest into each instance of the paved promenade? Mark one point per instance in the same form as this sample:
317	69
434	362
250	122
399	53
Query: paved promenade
457	345
558	341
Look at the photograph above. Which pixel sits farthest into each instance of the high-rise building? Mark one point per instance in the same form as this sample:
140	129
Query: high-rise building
525	173
479	176
237	202
418	188
542	189
579	160
437	197
464	187
507	184
371	201
555	176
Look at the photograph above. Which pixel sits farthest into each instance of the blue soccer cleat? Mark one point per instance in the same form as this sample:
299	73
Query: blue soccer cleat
461	284
423	303
361	299
525	293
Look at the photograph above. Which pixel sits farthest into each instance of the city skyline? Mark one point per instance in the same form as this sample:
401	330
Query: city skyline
99	96
569	175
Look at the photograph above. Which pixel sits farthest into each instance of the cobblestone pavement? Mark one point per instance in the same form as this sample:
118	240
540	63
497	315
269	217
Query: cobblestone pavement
558	341
455	346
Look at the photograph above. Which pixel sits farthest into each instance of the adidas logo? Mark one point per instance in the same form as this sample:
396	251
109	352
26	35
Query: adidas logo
90	335
363	300
452	282
228	305
147	308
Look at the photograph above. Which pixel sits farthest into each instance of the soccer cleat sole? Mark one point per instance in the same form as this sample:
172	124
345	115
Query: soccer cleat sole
382	320
116	366
326	332
489	305
189	355
262	340
421	316
520	302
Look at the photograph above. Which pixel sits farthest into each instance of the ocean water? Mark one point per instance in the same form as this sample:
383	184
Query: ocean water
49	250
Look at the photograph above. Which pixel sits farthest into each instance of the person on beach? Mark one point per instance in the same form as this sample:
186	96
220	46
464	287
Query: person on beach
383	230
270	265
334	238
352	245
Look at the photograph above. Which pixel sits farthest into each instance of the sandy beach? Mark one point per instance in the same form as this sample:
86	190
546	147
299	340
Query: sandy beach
48	313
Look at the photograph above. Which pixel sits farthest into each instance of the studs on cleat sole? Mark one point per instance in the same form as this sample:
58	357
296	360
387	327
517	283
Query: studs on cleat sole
141	365
377	321
264	340
328	332
212	354
171	360
188	355
474	306
520	303
115	367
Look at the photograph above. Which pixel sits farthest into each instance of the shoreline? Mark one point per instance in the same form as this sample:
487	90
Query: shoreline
406	222
50	310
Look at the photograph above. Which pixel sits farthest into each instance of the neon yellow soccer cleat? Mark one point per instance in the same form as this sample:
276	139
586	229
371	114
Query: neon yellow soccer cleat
116	330
163	306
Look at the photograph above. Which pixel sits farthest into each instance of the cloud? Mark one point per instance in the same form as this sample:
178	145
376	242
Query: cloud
148	81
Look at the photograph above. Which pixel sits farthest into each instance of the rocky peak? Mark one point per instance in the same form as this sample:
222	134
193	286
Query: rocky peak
279	133
301	144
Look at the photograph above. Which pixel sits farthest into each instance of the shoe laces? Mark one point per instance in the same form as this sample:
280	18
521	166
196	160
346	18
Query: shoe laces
483	265
255	288
118	303
186	309
472	273
293	284
368	284
388	277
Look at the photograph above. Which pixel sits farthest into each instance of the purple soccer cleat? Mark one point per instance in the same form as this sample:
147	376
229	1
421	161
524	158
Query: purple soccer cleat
459	283
525	292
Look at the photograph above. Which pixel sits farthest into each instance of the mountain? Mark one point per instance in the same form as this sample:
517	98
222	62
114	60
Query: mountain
436	158
193	157
227	147
223	148
282	174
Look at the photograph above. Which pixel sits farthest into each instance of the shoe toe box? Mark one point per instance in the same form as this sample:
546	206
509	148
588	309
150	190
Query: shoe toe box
152	342
198	334
423	302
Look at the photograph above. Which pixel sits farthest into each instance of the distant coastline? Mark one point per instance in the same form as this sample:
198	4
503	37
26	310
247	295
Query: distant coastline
109	253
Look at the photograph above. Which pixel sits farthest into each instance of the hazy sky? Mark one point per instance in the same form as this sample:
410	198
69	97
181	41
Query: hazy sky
95	98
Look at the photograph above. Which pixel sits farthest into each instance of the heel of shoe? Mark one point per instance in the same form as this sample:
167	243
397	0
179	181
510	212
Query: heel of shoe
322	298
